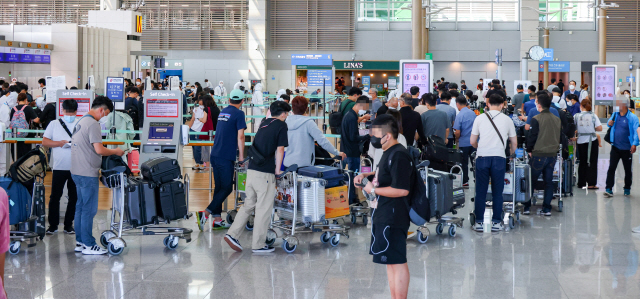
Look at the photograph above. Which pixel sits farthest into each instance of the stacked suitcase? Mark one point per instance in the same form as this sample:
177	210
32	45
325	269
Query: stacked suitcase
516	187
158	195
311	208
335	189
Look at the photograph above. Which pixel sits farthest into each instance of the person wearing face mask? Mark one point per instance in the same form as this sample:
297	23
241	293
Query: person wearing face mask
411	122
390	215
624	140
220	91
57	137
392	104
87	152
350	140
572	90
557	100
632	104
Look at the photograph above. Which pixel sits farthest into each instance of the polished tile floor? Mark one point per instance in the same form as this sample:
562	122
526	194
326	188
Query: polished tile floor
587	251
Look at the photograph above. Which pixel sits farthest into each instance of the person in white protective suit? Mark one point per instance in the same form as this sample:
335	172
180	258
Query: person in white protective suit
257	99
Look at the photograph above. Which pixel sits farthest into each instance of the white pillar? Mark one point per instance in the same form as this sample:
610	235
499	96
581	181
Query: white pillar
257	41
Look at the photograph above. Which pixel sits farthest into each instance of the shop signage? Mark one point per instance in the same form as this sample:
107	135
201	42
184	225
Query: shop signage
366	65
311	59
556	66
548	55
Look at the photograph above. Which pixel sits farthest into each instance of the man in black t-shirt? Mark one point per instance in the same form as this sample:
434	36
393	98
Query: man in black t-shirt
496	88
390	219
266	155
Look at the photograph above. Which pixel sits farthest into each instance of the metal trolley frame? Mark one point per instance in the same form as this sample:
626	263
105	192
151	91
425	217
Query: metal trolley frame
288	228
558	192
239	167
27	236
120	226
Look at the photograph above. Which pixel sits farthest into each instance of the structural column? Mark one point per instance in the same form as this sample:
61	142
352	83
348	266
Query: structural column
545	77
416	32
602	36
425	33
257	41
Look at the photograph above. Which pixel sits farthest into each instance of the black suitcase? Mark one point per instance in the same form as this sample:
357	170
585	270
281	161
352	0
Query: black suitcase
567	178
441	193
141	196
172	200
38	225
161	170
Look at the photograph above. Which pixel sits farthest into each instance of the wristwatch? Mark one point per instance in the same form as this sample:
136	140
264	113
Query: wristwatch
373	192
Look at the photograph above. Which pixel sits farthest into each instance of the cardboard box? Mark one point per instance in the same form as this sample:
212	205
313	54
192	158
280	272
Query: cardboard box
337	202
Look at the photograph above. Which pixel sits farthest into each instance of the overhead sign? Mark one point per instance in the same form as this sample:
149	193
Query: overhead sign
366	65
631	79
604	84
115	89
548	55
311	59
83	97
315	78
416	73
162	103
556	66
428	56
145	63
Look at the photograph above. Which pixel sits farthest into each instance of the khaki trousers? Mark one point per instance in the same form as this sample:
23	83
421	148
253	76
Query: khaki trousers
261	192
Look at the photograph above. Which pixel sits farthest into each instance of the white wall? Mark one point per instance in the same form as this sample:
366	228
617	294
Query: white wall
104	53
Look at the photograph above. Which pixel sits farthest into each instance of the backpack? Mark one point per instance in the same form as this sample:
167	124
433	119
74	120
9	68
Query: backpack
33	163
112	165
19	121
418	204
132	111
335	120
19	200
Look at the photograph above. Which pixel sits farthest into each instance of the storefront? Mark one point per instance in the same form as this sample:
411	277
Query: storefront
382	75
558	70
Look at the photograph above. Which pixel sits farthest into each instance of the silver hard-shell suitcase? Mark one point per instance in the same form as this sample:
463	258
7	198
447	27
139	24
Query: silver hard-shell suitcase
520	185
311	199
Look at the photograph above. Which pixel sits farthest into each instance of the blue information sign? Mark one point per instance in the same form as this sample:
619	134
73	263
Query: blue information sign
115	89
2	57
126	69
12	57
315	78
548	55
311	59
26	58
556	66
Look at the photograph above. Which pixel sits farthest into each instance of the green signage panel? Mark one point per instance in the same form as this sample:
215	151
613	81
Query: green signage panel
428	56
367	65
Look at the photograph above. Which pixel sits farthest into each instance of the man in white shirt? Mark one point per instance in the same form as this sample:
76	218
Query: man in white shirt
494	129
220	91
208	84
57	137
238	84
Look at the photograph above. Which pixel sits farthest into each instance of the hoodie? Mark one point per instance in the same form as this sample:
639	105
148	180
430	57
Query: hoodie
302	133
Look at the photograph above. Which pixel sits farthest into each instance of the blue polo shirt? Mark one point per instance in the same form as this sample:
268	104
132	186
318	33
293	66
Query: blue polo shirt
528	105
621	133
464	124
533	112
225	143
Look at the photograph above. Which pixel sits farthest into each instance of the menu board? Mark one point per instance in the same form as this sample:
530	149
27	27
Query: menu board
416	73
604	84
161	107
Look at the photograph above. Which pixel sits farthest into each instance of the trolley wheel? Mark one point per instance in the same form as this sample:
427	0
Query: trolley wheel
288	248
472	219
354	219
270	241
105	236
231	215
517	215
114	250
512	222
249	226
365	219
335	240
560	205
422	238
452	230
439	228
171	241
14	248
325	237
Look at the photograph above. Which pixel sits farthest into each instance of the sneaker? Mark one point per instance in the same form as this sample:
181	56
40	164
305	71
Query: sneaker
608	193
197	167
497	226
545	213
201	219
265	249
489	204
220	225
94	250
410	235
636	229
233	243
51	230
526	211
479	227
79	247
627	192
69	230
465	185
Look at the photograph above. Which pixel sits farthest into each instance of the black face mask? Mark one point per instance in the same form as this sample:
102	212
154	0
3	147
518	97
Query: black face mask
376	142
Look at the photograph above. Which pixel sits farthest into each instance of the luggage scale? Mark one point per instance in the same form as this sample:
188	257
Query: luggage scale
288	228
23	233
112	238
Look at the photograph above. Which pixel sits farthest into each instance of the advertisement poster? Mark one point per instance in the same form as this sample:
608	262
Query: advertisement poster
525	84
161	107
393	83
604	91
366	81
416	74
53	85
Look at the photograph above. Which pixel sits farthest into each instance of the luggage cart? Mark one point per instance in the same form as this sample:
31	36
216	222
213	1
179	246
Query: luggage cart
240	178
287	184
364	211
120	226
441	221
557	182
26	231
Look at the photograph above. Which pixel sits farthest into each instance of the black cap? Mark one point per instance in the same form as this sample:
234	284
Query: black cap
278	107
519	86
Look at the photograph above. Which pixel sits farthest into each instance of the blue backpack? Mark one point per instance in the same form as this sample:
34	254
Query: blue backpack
19	200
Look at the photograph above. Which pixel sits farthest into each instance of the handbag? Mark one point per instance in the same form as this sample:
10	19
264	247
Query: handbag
208	126
607	137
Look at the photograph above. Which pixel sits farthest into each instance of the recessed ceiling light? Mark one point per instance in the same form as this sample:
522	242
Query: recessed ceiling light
163	5
185	5
33	4
76	5
206	5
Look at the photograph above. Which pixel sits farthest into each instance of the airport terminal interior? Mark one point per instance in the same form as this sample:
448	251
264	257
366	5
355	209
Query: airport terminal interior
319	149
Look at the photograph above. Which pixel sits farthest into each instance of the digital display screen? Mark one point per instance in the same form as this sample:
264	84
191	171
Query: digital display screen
161	107
605	84
84	105
160	131
416	74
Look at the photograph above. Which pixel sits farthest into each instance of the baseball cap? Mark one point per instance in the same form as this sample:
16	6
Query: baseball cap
236	95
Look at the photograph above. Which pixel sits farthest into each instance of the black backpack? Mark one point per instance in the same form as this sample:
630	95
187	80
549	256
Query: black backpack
571	125
418	204
335	120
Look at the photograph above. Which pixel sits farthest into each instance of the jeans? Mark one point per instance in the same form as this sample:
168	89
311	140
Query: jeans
466	156
223	178
494	168
59	178
353	165
197	150
544	166
587	173
86	208
627	158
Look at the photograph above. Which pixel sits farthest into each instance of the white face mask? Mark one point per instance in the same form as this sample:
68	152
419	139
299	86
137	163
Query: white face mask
220	84
556	99
626	95
572	87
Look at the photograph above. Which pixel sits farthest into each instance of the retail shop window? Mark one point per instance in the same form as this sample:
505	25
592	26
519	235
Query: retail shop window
579	11
384	11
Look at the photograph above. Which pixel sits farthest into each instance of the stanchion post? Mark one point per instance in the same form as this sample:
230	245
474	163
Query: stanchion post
211	134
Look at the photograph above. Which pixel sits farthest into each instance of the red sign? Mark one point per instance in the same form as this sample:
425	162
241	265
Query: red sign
161	108
84	104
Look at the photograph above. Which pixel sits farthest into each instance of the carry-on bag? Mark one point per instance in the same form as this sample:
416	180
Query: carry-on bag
521	185
19	200
440	186
141	202
311	197
161	170
333	175
567	177
33	163
173	203
38	225
337	202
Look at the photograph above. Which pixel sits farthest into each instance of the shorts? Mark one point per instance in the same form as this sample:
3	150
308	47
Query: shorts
388	244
